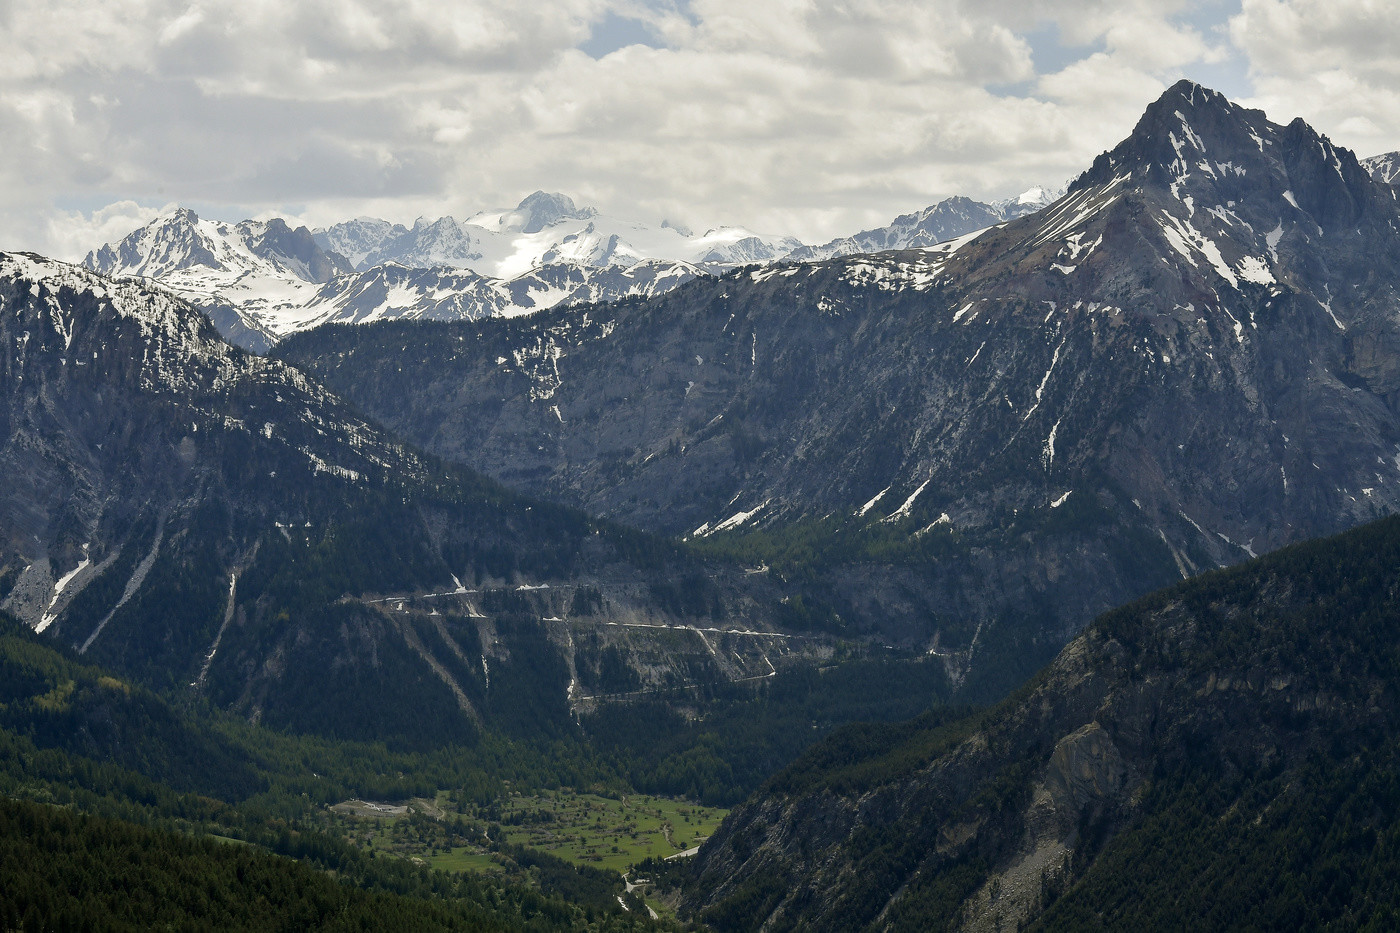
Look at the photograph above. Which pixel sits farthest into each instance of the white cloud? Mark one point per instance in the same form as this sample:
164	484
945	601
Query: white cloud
1333	62
50	40
814	117
1118	89
74	233
1299	37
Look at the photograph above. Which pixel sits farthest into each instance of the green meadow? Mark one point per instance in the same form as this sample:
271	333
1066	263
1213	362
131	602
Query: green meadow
586	829
582	829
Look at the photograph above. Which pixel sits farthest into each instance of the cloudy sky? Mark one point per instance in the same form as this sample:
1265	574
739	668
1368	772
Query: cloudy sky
810	117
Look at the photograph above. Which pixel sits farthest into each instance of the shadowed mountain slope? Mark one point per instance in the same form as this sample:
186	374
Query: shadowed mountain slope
973	449
216	523
1220	755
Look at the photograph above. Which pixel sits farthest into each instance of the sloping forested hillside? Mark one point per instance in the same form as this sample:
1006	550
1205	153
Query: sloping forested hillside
1219	755
120	811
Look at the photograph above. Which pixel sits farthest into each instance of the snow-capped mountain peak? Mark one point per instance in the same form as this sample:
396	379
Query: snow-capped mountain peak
947	220
1384	168
180	242
1229	213
241	274
1029	201
543	229
175	240
1188	130
357	239
1210	153
440	242
589	247
540	210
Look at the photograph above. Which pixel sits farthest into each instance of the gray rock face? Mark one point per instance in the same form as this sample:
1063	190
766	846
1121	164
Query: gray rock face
296	249
1383	168
395	292
440	242
1186	360
214	522
1085	766
356	239
181	242
543	209
946	220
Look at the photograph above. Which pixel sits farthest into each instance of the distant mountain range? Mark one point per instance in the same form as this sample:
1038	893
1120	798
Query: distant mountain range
544	229
943	221
260	281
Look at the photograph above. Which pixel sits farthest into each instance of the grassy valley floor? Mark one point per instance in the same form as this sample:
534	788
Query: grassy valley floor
543	836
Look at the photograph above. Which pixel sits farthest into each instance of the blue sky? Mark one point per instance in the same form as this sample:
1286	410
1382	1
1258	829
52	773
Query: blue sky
809	117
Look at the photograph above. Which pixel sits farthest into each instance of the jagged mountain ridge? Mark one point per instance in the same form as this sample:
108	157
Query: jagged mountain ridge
1189	359
1219	755
441	242
595	240
393	291
946	220
369	241
544	228
1384	168
214	522
243	275
182	240
259	281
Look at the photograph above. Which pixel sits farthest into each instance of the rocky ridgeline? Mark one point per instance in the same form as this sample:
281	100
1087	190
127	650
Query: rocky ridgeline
1188	359
213	522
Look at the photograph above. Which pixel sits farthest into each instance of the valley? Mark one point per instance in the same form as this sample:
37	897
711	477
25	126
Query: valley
582	829
1029	564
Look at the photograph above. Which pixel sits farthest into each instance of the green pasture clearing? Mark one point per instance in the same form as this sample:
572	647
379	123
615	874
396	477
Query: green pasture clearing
590	830
583	829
